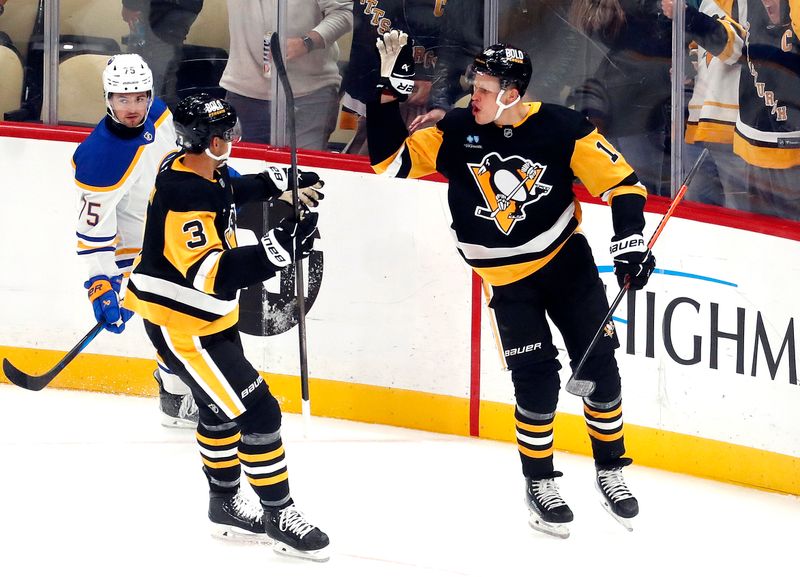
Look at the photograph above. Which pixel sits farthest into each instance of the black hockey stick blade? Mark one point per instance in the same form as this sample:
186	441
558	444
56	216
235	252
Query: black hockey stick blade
37	383
585	387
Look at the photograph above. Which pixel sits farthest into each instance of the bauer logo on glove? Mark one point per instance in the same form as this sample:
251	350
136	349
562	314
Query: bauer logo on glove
397	65
633	261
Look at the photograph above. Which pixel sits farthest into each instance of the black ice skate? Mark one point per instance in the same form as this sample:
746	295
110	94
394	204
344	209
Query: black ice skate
295	536
177	411
233	517
617	499
548	511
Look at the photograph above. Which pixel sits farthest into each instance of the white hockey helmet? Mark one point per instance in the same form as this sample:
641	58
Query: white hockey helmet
126	73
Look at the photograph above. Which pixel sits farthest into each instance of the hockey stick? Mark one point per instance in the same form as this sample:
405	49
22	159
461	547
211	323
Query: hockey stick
585	387
280	67
37	383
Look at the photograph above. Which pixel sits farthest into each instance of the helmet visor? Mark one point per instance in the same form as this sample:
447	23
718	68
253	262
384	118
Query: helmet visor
233	134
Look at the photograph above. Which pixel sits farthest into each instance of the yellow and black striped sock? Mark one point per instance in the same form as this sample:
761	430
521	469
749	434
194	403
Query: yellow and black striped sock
218	449
535	442
264	464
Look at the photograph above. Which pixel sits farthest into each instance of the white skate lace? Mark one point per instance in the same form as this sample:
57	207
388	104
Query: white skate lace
292	520
246	509
188	408
613	484
546	491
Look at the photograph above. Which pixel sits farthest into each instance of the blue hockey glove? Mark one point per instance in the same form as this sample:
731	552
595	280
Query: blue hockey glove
633	261
103	293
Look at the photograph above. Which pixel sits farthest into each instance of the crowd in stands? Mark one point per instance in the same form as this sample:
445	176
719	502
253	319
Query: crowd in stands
610	59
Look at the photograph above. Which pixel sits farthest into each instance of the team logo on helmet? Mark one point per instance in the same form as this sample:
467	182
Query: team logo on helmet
508	185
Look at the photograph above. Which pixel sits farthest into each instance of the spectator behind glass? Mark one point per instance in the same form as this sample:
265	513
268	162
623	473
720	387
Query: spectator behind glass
460	38
313	26
763	35
158	31
628	99
713	109
421	19
539	27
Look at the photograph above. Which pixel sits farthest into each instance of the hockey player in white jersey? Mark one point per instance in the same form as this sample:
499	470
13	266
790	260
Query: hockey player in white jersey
115	171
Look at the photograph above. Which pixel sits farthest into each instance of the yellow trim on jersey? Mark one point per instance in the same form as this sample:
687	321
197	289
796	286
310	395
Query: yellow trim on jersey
727	52
185	346
124	251
709	131
164	115
268	480
179	166
598	164
188	238
534	428
262	457
173	319
420	150
218	442
542	454
83	246
766	157
115	186
623	190
506	274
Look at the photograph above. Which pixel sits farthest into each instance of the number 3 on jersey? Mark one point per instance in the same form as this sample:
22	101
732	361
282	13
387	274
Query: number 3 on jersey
198	237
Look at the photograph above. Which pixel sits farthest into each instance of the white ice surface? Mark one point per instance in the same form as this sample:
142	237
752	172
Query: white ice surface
92	485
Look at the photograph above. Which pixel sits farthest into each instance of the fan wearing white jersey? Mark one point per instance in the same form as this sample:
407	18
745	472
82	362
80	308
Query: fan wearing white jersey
115	170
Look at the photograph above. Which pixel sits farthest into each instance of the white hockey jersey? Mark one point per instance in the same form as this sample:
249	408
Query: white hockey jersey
714	106
115	177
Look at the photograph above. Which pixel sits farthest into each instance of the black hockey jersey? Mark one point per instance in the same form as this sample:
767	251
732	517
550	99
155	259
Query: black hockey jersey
510	187
190	270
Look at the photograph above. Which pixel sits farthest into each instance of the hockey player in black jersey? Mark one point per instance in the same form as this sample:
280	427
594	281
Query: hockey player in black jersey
510	167
185	285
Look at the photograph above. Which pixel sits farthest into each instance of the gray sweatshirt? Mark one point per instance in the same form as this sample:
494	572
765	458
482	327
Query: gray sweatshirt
250	20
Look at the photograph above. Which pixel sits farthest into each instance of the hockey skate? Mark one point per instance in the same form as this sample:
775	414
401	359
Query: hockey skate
294	535
617	499
235	518
177	411
548	511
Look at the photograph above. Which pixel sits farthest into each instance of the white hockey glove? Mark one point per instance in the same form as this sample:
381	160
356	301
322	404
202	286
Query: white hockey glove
308	185
278	243
397	65
633	261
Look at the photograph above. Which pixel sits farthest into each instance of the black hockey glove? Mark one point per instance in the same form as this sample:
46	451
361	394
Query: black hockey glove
633	261
279	182
278	243
397	65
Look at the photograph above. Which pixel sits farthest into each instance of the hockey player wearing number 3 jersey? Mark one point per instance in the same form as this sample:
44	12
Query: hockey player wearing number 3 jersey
115	168
186	285
510	167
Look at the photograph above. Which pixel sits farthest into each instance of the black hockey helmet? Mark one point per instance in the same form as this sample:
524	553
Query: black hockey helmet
200	117
510	65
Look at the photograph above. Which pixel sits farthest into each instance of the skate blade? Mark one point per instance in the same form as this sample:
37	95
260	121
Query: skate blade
177	423
318	555
621	520
231	533
559	530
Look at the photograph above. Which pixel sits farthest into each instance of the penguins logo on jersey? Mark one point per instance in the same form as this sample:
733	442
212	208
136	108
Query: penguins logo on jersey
508	185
